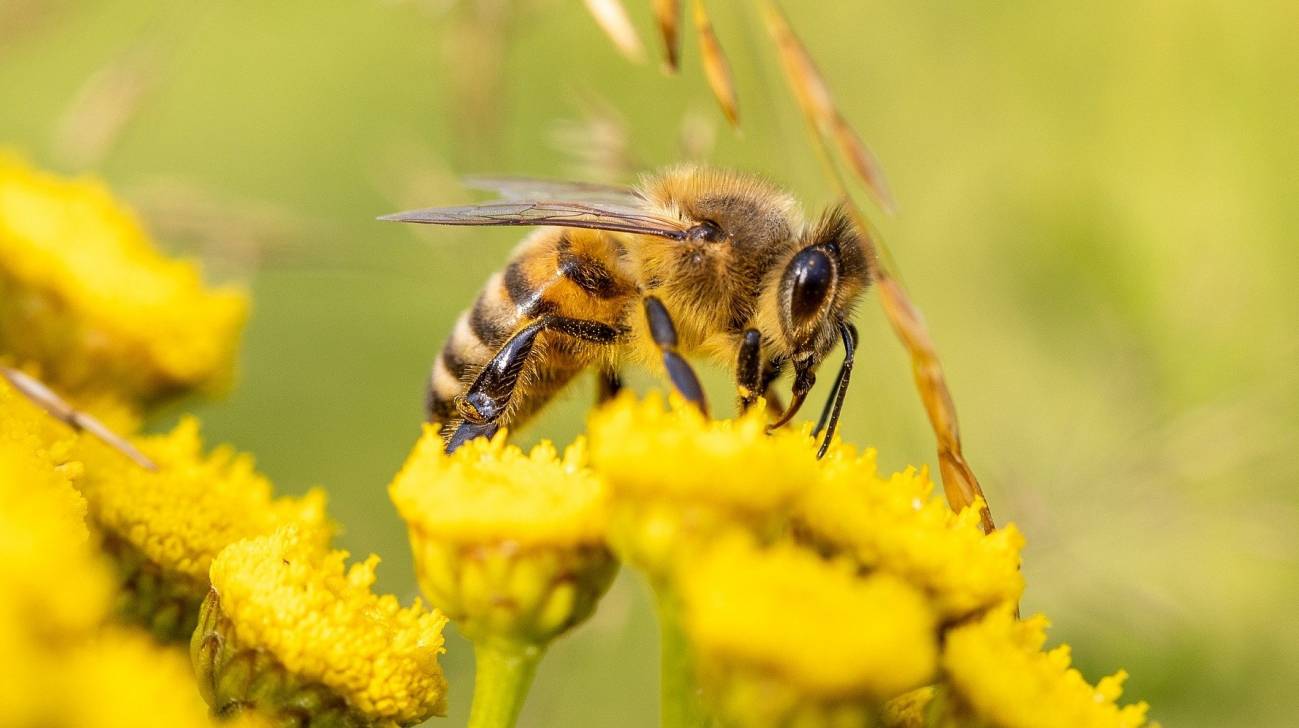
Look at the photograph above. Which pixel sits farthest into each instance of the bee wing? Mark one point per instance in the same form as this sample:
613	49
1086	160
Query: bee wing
532	188
596	215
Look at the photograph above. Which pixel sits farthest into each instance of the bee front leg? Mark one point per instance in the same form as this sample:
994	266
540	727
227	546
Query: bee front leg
748	369
834	403
664	334
775	403
609	383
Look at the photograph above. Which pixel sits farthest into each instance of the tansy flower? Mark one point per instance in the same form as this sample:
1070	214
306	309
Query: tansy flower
510	545
84	294
53	580
54	588
677	477
121	679
782	637
1002	678
288	631
896	525
164	528
910	709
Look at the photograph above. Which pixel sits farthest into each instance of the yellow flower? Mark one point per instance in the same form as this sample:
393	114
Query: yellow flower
285	618
676	476
54	588
123	680
910	709
52	581
164	528
84	294
898	526
509	545
782	637
998	669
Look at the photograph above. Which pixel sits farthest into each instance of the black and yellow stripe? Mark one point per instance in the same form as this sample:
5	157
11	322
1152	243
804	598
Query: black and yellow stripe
572	274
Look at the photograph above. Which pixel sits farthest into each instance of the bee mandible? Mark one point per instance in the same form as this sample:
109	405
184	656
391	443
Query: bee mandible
691	261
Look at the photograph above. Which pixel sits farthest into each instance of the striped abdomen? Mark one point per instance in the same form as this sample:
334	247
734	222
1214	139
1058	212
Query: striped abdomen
577	274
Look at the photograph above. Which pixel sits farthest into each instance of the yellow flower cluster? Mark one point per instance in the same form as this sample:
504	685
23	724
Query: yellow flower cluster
43	529
818	592
489	492
194	505
792	619
1000	673
84	294
61	667
509	544
163	528
678	479
122	679
896	524
289	597
646	449
90	306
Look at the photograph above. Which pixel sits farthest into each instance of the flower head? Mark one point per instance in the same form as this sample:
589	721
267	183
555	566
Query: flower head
54	584
675	452
117	678
164	528
509	544
488	491
677	477
84	294
998	669
318	624
896	525
779	632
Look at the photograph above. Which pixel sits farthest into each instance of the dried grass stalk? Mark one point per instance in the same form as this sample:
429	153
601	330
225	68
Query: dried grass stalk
716	67
818	104
612	18
959	483
103	107
668	14
827	123
45	398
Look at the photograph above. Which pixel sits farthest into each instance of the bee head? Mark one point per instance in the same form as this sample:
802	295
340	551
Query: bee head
820	284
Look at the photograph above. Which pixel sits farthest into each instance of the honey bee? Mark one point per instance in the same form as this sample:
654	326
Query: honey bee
692	261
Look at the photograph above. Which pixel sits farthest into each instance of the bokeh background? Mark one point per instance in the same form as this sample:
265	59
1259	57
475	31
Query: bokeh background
1098	216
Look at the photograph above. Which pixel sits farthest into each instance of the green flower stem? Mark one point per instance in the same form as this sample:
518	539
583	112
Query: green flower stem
680	705
502	675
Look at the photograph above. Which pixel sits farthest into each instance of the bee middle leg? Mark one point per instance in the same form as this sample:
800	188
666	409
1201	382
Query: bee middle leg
664	333
489	396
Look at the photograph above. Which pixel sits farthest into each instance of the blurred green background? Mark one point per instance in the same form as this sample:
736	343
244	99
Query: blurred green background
1098	216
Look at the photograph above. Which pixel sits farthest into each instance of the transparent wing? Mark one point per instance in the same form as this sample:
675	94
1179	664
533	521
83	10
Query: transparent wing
596	215
531	188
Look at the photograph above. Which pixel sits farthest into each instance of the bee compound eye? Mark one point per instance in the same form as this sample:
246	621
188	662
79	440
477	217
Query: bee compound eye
811	278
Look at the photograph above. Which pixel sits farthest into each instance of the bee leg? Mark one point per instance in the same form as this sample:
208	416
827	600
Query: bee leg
834	403
489	396
775	403
609	383
665	335
748	369
469	431
490	393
